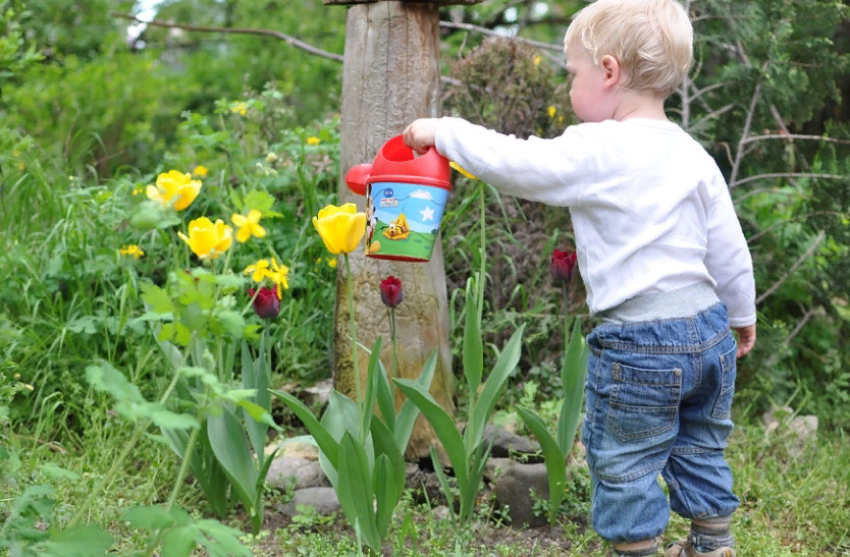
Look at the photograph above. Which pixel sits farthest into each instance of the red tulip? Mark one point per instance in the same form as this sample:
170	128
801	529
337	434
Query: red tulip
563	265
266	304
391	293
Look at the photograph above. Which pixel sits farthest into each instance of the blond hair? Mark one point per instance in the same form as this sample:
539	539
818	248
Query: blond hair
651	39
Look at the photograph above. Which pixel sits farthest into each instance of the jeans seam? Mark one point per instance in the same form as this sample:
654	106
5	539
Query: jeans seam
631	476
654	349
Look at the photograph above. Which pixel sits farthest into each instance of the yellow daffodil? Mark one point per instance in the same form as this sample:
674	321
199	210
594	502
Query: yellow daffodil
552	111
341	228
460	169
201	171
208	240
537	60
248	226
313	141
258	270
239	108
174	187
280	276
133	250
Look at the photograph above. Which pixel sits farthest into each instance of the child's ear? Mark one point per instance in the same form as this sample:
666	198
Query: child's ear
611	68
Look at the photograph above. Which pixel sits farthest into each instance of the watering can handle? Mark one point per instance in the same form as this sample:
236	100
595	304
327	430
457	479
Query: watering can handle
357	178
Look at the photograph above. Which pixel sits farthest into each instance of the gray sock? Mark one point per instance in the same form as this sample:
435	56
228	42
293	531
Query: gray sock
711	534
648	552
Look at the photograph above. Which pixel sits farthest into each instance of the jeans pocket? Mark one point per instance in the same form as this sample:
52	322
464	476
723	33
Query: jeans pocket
644	402
728	370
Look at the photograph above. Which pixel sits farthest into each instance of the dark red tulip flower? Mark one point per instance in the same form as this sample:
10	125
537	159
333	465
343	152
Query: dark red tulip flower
563	265
266	304
391	293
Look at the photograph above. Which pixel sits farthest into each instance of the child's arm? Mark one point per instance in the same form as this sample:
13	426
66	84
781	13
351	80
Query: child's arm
546	170
729	262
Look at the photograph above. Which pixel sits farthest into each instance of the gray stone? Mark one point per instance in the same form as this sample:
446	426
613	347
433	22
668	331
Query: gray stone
318	394
505	442
305	473
513	485
323	499
441	512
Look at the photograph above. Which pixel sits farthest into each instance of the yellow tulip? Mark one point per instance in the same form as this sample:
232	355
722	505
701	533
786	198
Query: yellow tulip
248	226
208	240
460	169
341	228
174	187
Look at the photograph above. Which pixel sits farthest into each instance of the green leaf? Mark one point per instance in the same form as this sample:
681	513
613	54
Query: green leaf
179	542
231	322
371	385
444	483
572	376
107	379
167	419
154	517
228	442
406	418
443	426
256	414
507	362
473	350
327	444
221	540
157	298
80	541
386	404
55	472
389	477
355	490
554	458
259	200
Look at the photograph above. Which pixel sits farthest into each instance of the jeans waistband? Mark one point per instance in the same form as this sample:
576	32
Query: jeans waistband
674	304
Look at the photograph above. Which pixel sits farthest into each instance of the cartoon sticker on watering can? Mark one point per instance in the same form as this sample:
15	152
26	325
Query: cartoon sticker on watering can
405	199
402	220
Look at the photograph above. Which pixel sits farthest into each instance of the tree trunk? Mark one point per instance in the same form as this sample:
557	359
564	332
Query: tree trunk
391	77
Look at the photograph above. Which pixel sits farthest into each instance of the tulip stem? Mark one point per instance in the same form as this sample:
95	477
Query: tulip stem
481	279
394	334
354	341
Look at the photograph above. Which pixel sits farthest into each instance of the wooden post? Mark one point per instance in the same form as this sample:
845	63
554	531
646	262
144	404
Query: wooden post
391	76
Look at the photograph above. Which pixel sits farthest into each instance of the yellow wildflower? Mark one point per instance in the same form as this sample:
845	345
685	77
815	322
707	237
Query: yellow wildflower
460	169
16	153
313	141
259	270
332	261
201	171
341	228
537	60
21	166
137	190
271	157
208	240
248	226
175	188
133	250
552	111
240	108
279	276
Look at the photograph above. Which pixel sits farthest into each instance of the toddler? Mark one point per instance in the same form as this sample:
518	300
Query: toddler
664	262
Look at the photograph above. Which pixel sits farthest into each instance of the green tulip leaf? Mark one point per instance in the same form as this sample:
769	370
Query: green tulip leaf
554	458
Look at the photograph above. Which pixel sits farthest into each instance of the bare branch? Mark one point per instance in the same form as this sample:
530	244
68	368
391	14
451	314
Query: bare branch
793	268
292	41
796	136
700	92
485	31
708	117
787	175
739	155
800	325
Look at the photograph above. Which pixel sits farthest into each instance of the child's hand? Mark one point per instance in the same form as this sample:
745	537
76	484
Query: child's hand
746	339
420	135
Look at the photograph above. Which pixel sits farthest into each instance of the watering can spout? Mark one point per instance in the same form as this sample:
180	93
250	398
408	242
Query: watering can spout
357	178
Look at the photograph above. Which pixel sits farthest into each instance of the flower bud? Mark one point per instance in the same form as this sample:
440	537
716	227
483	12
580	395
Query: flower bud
391	293
266	304
563	265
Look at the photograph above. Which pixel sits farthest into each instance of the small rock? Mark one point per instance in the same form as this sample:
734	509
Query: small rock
513	487
495	467
294	448
505	442
441	512
306	473
770	419
323	499
318	394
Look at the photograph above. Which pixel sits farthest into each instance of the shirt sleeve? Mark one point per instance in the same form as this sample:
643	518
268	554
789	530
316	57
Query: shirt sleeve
547	170
728	258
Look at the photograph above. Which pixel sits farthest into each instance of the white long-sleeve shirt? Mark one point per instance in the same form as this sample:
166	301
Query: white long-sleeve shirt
650	209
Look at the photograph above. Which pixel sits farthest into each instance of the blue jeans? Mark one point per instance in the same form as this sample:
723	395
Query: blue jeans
659	396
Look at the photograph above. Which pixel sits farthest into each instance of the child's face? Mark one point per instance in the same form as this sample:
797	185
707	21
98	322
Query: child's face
590	92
